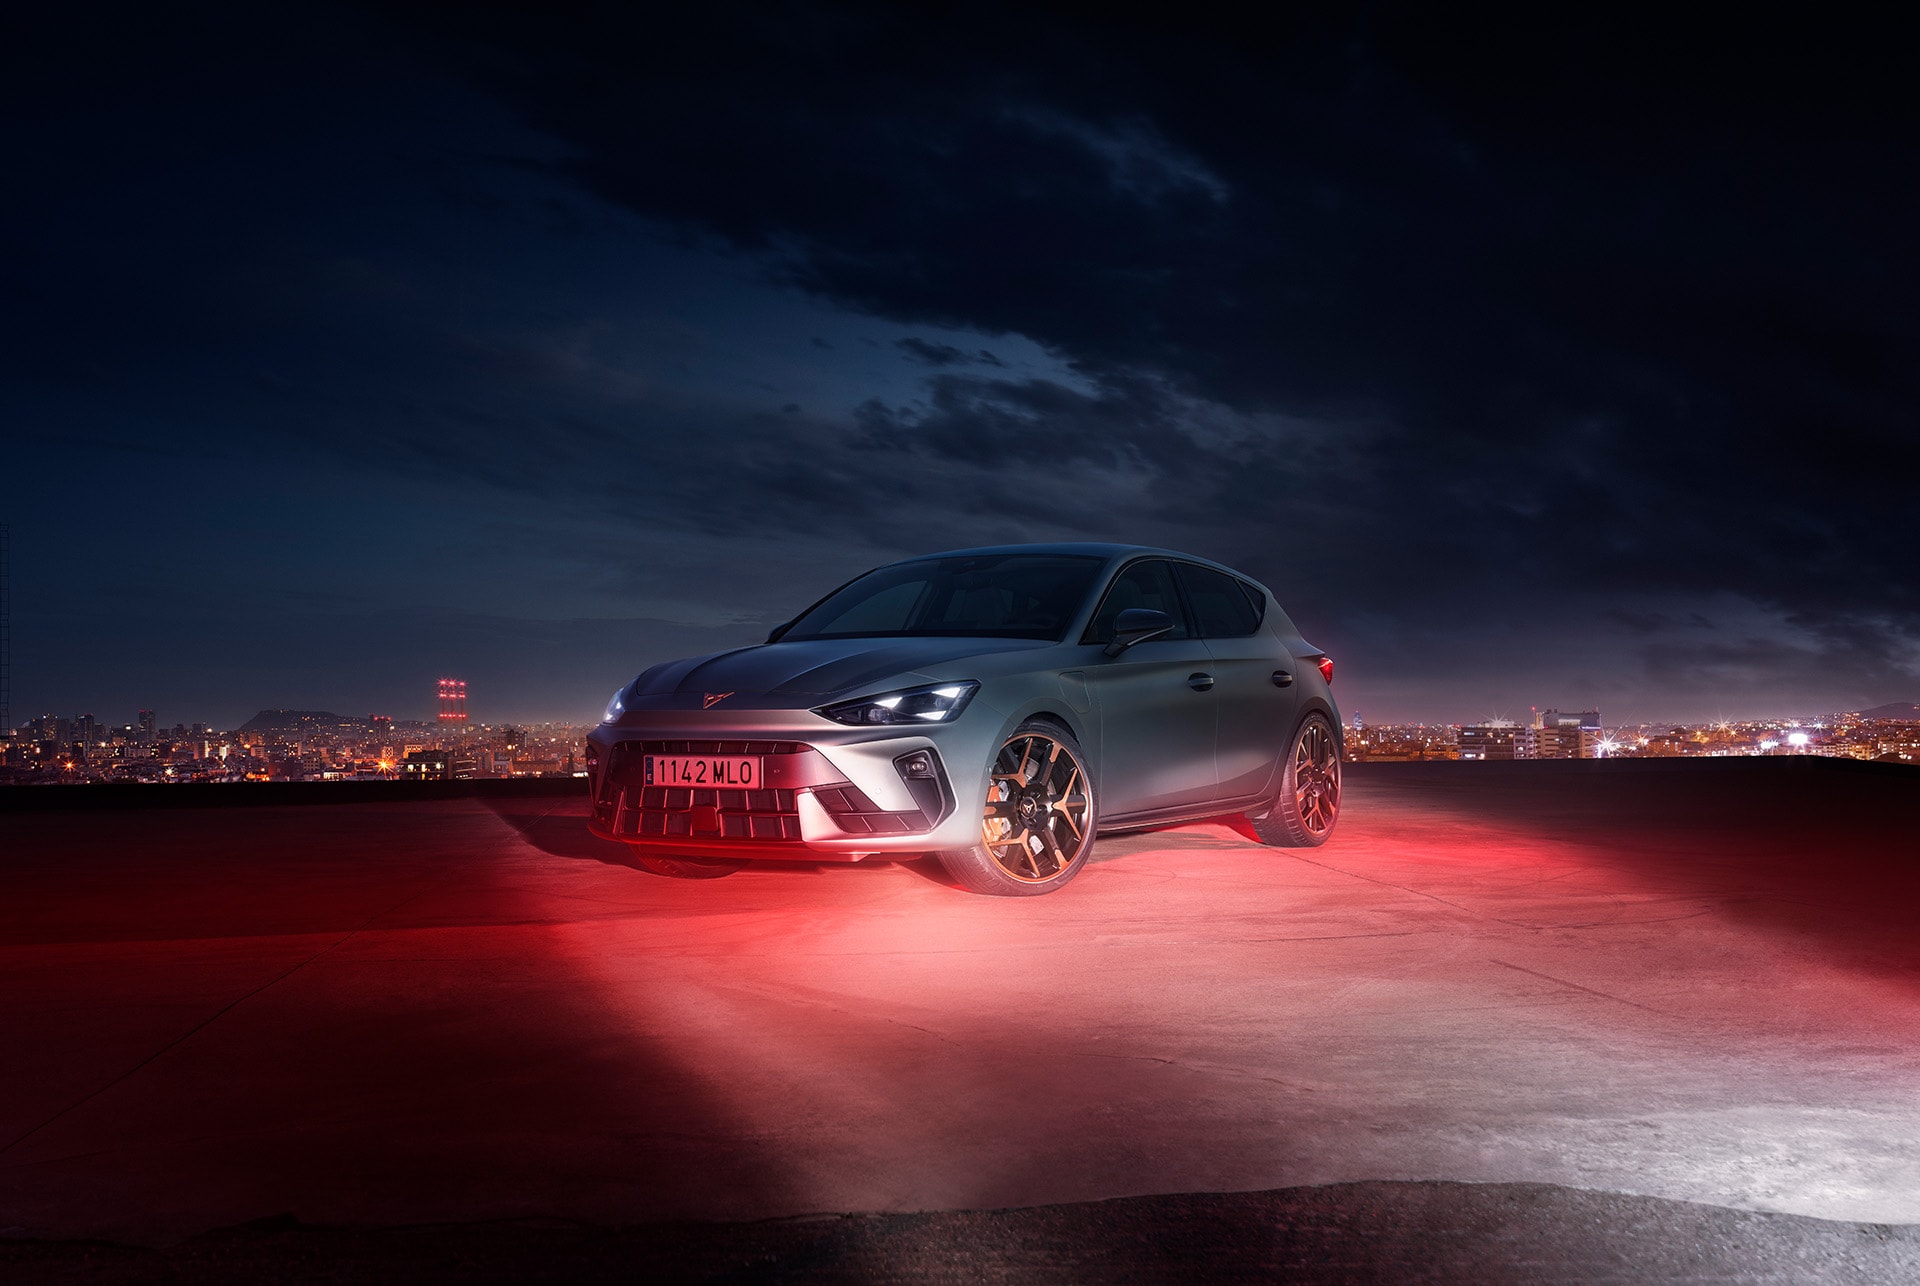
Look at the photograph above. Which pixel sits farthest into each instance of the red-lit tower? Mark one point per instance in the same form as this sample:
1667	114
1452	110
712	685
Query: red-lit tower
6	632
453	701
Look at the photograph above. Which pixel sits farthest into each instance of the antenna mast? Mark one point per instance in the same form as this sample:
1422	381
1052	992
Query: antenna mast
6	631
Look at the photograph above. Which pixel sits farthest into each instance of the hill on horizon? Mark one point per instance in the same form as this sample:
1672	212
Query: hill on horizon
285	720
1893	710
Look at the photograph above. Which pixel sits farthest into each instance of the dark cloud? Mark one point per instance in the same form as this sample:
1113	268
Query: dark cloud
932	354
1553	350
1616	318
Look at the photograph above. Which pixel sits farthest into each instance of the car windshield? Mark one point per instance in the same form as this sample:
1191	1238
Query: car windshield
1018	596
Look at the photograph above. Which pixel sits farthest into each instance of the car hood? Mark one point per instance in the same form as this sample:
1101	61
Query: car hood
816	667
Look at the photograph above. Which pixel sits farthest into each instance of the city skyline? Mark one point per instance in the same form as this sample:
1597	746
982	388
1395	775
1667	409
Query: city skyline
147	722
426	711
431	709
292	745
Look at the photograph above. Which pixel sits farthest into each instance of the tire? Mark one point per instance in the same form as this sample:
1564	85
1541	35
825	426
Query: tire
684	868
1038	819
1308	805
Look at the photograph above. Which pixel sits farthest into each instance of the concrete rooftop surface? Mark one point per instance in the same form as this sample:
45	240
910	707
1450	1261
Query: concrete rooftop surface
1680	982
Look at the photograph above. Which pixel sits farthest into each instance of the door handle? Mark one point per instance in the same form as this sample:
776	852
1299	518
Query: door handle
1282	679
1199	682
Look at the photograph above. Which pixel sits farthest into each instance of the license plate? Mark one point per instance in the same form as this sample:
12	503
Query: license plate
728	772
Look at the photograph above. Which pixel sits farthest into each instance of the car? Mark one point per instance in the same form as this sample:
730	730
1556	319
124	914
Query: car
997	708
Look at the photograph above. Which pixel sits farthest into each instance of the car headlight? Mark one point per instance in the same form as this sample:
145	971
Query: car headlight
935	703
616	707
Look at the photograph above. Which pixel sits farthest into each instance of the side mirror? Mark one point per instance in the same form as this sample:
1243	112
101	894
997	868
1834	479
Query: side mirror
1137	625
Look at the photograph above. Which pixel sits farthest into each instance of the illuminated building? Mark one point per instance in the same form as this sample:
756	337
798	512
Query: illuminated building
1401	742
425	765
1566	736
1498	739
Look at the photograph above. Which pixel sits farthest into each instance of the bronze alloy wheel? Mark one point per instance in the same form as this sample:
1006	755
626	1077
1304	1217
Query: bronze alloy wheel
1038	819
1308	803
1035	823
1316	777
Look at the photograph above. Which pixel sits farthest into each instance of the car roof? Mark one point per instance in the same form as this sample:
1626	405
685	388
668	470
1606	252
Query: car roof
1113	554
1110	552
1072	547
1083	548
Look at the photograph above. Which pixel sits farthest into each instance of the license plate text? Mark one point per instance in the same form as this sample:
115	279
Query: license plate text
729	772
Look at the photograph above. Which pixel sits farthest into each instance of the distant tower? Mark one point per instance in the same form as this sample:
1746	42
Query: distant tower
6	631
453	702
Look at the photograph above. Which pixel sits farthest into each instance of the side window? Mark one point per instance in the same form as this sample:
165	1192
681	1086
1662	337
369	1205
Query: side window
1258	597
1220	606
1143	584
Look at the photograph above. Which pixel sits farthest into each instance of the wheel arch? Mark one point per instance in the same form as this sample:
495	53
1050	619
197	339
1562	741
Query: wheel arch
973	776
1053	712
1055	716
1309	706
1316	704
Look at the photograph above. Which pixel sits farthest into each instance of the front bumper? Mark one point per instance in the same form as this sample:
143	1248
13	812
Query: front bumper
829	793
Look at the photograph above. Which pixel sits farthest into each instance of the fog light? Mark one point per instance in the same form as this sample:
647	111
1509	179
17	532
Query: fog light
917	766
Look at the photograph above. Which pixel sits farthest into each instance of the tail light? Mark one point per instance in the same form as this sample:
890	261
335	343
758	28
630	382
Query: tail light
1326	668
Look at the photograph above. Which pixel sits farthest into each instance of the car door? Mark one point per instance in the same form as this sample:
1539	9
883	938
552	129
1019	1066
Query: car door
1254	678
1154	701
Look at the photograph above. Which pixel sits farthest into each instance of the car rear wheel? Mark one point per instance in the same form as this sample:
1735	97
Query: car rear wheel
1309	801
1038	819
684	868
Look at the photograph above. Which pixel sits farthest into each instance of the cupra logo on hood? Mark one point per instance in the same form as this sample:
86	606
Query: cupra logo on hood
714	699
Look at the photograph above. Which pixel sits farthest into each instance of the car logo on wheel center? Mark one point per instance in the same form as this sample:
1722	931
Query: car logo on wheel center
714	699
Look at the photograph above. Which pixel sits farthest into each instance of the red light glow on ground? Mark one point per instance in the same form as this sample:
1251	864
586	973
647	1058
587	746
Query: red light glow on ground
409	1013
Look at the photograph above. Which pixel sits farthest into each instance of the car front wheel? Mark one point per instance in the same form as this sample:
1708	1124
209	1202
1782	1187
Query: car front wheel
1309	801
1038	819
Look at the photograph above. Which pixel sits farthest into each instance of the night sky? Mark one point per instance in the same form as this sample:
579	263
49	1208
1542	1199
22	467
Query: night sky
1530	365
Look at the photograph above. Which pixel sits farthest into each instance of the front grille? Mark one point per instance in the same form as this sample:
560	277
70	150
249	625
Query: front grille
627	806
728	814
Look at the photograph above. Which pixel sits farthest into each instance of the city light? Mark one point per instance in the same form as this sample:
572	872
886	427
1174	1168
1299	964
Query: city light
285	745
1887	735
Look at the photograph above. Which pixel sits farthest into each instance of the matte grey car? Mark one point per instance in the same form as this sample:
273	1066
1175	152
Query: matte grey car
994	707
